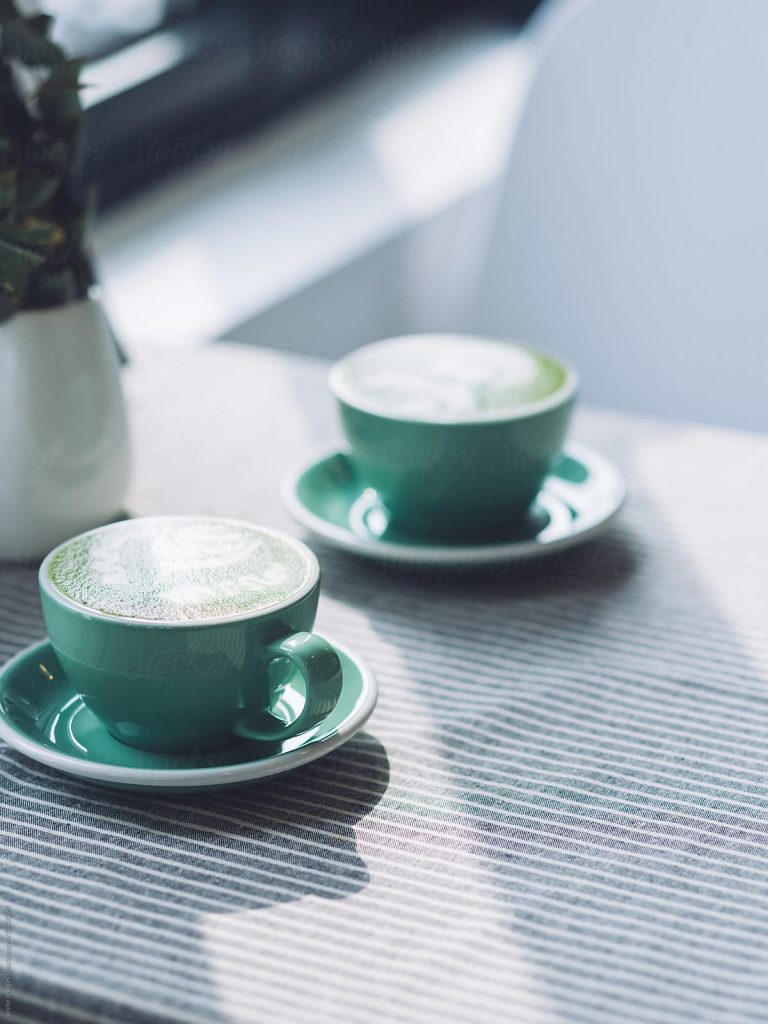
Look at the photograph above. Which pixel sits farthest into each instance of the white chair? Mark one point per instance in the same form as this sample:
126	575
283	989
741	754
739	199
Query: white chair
632	230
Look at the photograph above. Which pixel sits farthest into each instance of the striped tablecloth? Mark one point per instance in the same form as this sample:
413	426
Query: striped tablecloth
557	814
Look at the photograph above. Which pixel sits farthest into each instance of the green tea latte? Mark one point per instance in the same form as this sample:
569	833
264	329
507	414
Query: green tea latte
180	568
446	378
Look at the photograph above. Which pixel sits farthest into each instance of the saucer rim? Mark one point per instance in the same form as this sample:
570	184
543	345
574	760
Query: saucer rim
451	554
192	778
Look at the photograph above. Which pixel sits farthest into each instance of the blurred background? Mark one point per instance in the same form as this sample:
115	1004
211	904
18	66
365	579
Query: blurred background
313	174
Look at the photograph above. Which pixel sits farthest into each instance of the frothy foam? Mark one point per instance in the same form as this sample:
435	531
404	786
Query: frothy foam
448	377
179	569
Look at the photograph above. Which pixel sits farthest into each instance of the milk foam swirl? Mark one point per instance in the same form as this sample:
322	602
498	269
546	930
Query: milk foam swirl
179	569
447	377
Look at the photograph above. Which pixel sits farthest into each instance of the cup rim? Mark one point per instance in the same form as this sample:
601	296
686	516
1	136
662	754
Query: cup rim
47	584
554	400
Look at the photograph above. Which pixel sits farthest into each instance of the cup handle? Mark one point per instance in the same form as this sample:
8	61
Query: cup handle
320	667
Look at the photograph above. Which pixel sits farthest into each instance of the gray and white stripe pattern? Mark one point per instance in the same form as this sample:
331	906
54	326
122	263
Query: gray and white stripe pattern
557	815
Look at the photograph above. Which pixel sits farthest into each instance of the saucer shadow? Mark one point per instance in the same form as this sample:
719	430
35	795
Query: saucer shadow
601	564
166	866
330	795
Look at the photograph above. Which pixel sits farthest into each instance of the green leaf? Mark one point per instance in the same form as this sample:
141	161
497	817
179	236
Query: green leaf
8	179
22	42
60	104
34	190
16	268
66	73
43	219
16	262
40	237
58	98
41	23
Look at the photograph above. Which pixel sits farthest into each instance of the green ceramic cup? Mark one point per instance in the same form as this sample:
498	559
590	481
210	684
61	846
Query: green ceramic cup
188	686
454	476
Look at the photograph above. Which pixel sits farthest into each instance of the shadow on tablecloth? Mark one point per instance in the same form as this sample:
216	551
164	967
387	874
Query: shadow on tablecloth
103	880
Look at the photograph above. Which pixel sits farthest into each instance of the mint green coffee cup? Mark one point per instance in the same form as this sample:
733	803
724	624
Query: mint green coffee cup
181	633
455	434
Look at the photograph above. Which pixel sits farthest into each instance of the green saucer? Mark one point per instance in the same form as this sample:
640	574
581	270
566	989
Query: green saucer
41	716
578	500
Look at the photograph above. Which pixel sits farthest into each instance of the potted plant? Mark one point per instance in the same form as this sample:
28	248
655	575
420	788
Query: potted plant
63	436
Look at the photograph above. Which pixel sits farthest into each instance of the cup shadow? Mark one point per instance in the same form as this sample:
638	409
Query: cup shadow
603	564
168	865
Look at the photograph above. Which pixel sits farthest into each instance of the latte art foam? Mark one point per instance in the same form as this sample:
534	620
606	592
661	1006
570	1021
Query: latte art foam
447	377
179	569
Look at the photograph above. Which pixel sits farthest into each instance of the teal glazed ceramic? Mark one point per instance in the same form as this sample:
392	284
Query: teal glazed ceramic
579	499
44	717
184	686
456	480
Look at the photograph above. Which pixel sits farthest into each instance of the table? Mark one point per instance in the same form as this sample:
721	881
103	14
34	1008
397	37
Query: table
557	814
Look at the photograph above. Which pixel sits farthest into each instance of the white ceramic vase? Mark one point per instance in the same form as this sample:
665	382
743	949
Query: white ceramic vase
64	453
